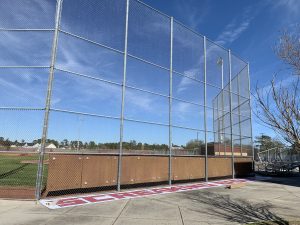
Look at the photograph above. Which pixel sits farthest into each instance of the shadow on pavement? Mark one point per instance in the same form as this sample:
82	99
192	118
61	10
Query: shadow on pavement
235	210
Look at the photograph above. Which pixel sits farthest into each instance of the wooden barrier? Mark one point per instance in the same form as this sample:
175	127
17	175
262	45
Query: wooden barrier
188	168
76	171
99	171
64	172
144	169
219	167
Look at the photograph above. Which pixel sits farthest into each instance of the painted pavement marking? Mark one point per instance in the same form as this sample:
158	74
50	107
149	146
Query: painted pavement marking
57	203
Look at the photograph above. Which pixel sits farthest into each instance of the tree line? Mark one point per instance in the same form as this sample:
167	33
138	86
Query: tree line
191	145
76	144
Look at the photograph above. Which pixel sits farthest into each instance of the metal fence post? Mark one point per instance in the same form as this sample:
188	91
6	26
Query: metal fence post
123	100
222	85
219	126
223	111
205	124
170	102
39	179
239	111
214	116
231	122
250	105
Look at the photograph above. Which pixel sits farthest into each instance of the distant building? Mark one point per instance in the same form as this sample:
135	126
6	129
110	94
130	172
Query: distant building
37	146
51	145
177	148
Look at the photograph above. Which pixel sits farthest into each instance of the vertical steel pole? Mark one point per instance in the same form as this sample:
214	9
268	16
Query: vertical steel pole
170	102
251	129
217	130
214	116
39	179
231	122
205	99
223	110
123	100
222	103
78	140
222	73
239	111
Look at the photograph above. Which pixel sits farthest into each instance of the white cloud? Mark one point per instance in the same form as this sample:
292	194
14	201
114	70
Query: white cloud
233	31
182	107
19	51
185	82
192	15
27	14
181	110
236	27
18	92
144	102
291	6
283	83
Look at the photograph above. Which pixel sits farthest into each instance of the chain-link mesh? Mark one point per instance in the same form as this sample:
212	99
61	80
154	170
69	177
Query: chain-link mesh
35	51
217	65
133	97
27	14
188	54
102	22
19	148
26	33
148	34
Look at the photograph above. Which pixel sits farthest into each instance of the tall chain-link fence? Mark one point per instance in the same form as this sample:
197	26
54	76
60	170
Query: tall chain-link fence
104	94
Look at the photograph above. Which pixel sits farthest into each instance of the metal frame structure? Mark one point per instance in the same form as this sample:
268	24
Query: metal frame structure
249	90
170	101
39	179
205	116
231	108
171	70
123	99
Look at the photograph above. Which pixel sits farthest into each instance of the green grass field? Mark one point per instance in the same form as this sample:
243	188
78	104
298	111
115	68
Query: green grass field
15	173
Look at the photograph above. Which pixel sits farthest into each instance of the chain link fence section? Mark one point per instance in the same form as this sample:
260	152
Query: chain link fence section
25	45
114	92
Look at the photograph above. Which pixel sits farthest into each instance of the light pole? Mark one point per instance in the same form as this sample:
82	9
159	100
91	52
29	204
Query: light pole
220	62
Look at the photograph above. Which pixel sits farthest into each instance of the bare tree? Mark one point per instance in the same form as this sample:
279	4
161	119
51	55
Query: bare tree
278	105
288	49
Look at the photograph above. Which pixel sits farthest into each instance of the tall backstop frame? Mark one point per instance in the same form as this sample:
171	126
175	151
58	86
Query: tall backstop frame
101	86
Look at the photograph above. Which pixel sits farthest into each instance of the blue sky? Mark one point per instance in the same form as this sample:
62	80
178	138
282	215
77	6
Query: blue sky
248	27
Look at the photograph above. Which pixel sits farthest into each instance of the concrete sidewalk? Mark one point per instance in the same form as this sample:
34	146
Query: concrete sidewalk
274	199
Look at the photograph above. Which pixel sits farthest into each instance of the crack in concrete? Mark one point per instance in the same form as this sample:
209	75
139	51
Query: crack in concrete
121	212
181	215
